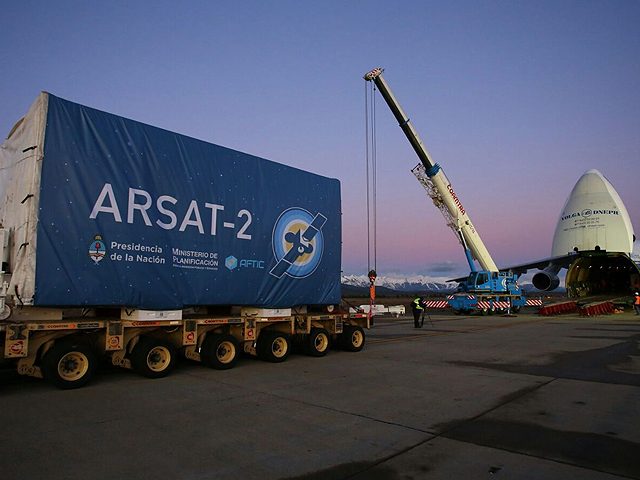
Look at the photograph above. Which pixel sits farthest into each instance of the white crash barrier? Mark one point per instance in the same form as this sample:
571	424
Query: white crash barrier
395	310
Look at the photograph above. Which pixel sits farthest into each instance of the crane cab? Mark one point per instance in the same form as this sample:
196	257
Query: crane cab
496	282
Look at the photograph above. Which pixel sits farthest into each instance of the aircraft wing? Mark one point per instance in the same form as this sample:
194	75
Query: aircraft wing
563	261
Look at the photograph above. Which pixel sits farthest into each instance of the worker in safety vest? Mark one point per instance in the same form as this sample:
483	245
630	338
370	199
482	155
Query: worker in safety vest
636	303
418	306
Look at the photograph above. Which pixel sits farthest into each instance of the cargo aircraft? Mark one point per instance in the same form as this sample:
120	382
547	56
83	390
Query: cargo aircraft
594	241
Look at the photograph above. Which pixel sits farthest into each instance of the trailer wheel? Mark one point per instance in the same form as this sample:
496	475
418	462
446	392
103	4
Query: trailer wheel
515	309
153	358
317	343
219	351
273	346
457	312
68	364
6	312
485	311
352	339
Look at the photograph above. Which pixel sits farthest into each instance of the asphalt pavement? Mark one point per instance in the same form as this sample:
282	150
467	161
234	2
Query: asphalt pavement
470	397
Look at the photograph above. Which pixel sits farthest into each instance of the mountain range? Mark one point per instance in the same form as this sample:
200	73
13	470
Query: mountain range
356	285
401	284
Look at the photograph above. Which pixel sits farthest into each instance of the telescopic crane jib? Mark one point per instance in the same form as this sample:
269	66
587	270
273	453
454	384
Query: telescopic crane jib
489	284
438	186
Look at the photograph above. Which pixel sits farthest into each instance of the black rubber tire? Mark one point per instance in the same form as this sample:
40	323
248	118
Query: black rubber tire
317	343
352	338
516	309
68	364
153	357
219	351
273	346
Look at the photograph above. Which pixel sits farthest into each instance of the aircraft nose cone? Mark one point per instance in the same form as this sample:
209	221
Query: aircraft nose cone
593	216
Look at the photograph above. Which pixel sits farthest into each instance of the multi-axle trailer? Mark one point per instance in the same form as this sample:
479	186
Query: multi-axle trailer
64	350
132	242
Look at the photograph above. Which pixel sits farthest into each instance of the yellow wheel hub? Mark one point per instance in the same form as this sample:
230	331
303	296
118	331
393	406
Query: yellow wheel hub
357	338
73	366
226	352
158	359
321	342
279	347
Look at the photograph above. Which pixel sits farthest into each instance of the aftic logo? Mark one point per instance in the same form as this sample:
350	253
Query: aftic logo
231	262
97	250
298	243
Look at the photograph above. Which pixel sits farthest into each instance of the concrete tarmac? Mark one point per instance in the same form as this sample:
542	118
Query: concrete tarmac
468	397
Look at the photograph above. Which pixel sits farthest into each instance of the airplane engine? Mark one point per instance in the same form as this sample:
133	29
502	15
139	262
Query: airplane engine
546	280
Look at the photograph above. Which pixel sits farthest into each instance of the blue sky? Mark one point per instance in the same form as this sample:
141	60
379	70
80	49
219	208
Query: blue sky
514	99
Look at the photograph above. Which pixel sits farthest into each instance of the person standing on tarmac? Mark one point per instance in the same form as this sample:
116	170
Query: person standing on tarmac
418	306
636	303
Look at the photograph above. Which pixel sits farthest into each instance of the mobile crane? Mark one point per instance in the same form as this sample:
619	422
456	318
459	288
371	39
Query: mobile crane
486	290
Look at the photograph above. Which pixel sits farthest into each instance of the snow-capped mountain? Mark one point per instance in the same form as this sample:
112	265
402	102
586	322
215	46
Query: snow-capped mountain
414	283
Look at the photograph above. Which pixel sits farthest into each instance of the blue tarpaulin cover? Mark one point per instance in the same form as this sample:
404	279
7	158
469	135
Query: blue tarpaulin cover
137	216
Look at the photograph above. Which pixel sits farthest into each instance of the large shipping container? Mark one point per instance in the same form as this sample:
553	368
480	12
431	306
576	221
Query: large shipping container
105	211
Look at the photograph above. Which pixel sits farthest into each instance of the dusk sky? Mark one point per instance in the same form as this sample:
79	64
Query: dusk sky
514	99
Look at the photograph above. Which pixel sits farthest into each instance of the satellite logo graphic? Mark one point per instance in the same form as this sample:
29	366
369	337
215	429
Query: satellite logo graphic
298	243
97	250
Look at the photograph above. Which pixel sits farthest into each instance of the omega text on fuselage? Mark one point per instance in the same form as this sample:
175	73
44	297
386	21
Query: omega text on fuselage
590	213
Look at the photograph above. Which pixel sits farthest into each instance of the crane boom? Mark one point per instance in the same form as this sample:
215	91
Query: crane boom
436	183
